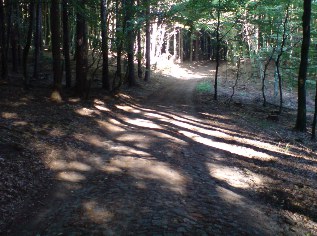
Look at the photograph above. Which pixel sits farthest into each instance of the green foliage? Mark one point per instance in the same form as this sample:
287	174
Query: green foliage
204	87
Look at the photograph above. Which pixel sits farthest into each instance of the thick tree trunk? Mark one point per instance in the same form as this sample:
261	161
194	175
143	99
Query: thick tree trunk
81	54
66	49
56	54
147	43
27	46
301	109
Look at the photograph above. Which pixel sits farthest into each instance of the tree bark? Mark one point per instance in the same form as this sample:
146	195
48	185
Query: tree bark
56	54
66	49
301	108
131	39
217	52
81	54
104	34
3	47
27	46
147	43
37	38
139	44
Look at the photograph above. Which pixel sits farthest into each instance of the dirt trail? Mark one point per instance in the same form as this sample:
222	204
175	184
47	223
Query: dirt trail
156	167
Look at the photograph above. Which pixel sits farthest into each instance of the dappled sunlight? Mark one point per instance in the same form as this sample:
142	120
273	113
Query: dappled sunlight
179	72
73	165
152	170
234	149
143	123
9	115
102	108
229	196
96	213
70	176
111	125
128	108
235	177
87	112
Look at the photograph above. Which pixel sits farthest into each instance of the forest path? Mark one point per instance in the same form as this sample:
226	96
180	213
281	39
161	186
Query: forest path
155	166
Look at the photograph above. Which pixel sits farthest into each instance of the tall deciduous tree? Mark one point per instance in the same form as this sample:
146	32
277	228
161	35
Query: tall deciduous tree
37	38
81	52
66	43
301	109
104	47
28	45
3	65
130	40
147	42
56	44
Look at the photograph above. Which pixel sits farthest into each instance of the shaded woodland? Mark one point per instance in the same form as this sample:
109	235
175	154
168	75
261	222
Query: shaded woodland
87	87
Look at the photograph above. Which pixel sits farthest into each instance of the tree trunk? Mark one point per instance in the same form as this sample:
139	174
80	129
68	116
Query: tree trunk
68	73
315	118
104	34
119	32
81	54
139	43
27	46
191	45
3	44
301	109
56	54
131	38
147	43
14	39
37	38
217	52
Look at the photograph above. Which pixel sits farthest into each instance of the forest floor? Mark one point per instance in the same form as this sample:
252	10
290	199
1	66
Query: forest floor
160	159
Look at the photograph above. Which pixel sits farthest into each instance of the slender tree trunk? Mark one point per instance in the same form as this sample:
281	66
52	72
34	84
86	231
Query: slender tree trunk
27	46
37	38
315	118
197	43
175	44
81	54
56	54
3	59
119	32
191	45
104	34
131	39
139	44
217	51
147	43
66	49
14	39
139	54
301	109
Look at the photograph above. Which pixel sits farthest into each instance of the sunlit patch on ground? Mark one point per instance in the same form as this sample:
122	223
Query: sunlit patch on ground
143	123
87	112
96	213
235	177
70	176
142	169
234	149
